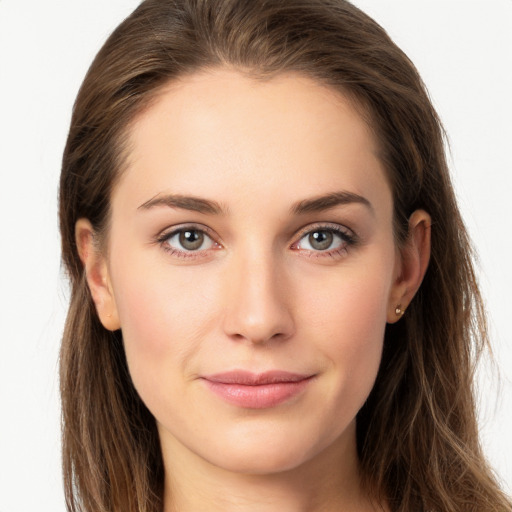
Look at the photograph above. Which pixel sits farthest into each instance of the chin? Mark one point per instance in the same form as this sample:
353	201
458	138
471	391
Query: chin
261	463
263	455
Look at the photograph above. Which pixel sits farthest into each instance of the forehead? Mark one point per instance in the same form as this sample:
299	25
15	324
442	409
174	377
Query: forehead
218	131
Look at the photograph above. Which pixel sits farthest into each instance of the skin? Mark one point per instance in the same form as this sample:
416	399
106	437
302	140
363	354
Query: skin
258	294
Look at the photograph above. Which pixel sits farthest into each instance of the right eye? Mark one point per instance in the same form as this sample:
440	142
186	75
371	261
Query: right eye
187	240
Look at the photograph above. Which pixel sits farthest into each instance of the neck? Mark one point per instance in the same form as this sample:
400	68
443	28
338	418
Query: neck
329	482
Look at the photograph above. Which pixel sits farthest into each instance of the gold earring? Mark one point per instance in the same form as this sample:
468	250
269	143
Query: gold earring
399	311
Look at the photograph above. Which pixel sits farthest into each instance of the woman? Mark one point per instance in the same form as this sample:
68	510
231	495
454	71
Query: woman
273	301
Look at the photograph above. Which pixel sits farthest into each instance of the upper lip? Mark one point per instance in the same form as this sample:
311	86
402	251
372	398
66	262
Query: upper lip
247	378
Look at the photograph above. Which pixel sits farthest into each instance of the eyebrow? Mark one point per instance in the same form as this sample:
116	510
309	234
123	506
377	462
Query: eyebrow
208	206
328	201
192	203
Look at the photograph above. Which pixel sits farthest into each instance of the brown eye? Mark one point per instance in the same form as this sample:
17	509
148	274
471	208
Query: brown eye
187	240
320	240
191	239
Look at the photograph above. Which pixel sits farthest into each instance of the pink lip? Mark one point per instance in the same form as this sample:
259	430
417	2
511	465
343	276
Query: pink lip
257	391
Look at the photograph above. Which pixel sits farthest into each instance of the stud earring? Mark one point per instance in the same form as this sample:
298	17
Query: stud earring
399	311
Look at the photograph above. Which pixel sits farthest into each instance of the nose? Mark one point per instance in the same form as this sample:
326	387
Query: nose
259	302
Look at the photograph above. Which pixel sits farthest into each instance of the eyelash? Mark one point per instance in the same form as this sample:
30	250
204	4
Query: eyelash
348	237
163	240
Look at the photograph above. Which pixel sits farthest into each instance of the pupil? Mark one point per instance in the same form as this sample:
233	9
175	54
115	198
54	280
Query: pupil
191	240
321	240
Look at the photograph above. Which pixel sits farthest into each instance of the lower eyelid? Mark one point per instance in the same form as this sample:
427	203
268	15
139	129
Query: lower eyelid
327	255
190	255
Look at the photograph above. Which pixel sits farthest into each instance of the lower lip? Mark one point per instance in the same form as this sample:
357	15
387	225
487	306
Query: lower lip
263	396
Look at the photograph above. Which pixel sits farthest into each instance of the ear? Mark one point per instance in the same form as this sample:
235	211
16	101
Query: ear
411	265
97	275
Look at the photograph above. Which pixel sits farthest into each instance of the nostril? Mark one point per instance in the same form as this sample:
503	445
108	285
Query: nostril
259	330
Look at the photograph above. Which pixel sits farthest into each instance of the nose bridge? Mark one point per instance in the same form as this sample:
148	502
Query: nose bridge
258	306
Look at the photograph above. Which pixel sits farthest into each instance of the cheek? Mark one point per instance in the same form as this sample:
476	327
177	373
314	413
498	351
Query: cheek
348	321
164	316
352	301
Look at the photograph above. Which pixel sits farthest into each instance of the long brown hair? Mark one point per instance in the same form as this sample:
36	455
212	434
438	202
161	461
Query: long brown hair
417	434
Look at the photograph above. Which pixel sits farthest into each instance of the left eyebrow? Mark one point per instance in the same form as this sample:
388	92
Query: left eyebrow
328	201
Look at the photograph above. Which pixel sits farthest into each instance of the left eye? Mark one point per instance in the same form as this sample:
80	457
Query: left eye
322	240
189	240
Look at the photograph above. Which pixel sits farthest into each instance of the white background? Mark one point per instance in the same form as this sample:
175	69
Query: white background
463	50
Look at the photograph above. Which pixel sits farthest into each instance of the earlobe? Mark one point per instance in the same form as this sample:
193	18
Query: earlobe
97	275
412	264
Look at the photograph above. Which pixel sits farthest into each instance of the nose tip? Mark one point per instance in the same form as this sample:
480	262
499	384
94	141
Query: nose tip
257	329
259	305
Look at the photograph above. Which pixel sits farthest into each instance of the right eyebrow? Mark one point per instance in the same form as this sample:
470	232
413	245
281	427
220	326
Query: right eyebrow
192	203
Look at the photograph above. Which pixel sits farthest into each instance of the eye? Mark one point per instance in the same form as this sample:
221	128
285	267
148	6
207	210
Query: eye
319	240
188	239
328	240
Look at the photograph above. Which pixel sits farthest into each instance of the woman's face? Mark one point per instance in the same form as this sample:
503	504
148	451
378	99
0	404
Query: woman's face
253	266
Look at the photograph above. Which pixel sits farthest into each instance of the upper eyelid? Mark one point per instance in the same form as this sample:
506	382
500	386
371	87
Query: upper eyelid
325	226
172	230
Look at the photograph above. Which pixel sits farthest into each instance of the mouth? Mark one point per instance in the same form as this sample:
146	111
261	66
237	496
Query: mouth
257	390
